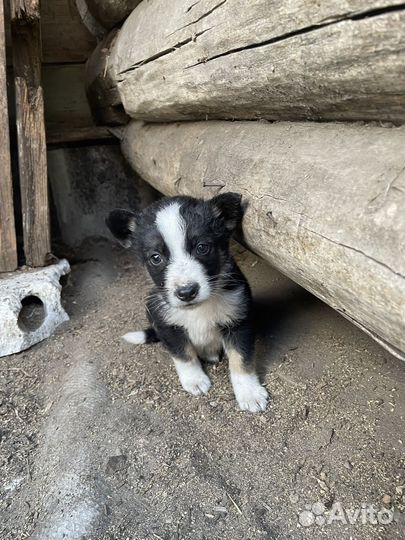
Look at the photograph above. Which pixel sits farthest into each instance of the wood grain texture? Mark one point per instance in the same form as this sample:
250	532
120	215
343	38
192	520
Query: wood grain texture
57	135
33	173
325	203
275	60
24	10
8	248
31	139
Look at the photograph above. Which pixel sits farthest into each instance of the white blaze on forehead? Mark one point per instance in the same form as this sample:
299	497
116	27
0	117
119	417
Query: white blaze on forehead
172	227
182	268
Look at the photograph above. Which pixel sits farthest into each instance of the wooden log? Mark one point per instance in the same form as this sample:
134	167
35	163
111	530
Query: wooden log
25	22
8	248
325	203
262	59
101	90
111	12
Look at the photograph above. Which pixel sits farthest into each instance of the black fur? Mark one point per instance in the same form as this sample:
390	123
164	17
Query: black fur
151	336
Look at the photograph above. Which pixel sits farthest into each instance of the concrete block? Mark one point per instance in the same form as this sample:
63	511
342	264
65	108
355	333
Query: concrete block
30	306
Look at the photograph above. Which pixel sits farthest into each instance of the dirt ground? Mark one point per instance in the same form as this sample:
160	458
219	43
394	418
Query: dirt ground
98	440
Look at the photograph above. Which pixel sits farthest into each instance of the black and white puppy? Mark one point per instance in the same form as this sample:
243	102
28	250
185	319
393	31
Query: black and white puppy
201	304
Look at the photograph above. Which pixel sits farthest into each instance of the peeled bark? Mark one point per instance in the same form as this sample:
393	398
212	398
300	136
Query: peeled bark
325	203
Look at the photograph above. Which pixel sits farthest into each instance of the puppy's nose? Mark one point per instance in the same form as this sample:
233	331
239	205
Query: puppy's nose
187	292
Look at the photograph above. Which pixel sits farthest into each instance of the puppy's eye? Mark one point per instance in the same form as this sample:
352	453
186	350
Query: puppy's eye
202	249
155	259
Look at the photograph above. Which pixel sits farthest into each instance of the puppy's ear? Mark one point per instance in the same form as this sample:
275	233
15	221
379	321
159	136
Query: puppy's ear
122	224
229	207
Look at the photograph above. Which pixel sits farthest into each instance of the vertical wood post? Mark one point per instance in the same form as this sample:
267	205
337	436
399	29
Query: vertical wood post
25	27
8	249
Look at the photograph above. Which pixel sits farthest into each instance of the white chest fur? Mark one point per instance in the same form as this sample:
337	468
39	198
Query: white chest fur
202	322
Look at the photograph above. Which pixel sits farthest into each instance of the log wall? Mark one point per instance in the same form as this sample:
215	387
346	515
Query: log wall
325	200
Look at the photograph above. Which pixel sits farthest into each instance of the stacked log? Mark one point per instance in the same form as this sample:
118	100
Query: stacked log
265	59
325	200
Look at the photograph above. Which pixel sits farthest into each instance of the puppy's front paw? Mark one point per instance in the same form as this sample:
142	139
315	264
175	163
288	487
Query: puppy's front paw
192	377
199	385
250	394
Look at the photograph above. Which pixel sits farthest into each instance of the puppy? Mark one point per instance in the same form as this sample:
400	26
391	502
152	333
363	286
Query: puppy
201	304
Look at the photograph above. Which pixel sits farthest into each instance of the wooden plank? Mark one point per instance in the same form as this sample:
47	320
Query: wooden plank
30	130
59	135
8	248
265	59
325	203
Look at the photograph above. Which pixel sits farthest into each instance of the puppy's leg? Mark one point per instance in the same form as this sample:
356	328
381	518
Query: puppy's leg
250	394
192	376
239	347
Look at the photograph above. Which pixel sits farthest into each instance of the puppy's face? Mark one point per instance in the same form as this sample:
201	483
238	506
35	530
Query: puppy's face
183	242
